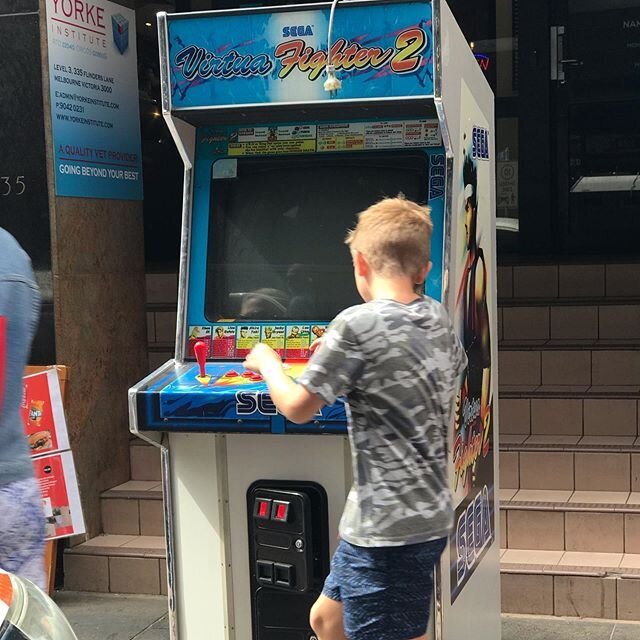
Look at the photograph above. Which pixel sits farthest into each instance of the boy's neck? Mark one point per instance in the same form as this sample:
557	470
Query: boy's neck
400	289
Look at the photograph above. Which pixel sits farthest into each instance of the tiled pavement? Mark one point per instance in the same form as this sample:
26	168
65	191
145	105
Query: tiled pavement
111	617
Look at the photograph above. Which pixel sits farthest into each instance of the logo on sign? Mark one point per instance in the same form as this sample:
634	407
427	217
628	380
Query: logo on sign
436	176
197	62
297	32
248	402
473	534
480	139
404	57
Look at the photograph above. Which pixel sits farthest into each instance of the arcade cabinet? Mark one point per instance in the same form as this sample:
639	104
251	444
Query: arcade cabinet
289	121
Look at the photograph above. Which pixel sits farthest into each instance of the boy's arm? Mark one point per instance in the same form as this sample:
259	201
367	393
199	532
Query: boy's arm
333	371
292	400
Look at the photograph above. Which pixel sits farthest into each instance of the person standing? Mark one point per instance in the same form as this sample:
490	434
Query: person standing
397	361
21	515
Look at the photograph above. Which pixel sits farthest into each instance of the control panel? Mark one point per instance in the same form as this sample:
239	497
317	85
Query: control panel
223	397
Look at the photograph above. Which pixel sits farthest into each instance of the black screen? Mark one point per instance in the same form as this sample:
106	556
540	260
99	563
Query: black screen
276	232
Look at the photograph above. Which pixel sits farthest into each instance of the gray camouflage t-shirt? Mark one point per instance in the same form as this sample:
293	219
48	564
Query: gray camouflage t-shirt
398	366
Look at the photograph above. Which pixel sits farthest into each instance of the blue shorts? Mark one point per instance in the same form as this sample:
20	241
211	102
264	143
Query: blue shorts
385	591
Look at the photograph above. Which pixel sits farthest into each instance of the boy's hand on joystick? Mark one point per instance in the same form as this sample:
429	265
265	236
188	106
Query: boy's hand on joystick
292	400
262	358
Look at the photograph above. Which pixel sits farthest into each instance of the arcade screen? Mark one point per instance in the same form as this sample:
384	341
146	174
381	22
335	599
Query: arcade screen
276	231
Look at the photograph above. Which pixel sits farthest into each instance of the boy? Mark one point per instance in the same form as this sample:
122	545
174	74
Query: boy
397	360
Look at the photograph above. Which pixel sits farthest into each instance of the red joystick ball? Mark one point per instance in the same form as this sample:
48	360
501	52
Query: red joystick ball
200	348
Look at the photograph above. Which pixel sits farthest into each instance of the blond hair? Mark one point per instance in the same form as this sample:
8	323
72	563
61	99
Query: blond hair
394	236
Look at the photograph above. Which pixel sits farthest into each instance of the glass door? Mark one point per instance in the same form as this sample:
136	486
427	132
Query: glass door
595	106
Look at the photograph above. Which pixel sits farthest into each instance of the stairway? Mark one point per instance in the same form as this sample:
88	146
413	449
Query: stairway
569	446
130	556
569	450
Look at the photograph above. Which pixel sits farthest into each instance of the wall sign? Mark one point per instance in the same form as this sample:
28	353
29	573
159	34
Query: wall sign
46	430
94	99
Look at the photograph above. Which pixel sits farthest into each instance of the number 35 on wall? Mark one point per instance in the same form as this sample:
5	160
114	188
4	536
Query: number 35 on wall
12	185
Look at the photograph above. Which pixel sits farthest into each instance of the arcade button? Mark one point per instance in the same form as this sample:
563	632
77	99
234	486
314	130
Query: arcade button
262	509
248	374
280	512
283	574
231	374
264	571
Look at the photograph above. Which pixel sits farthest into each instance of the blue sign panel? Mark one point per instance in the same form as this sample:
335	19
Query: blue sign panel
93	77
378	51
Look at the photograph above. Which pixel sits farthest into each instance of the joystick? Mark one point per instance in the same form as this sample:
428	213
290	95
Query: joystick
200	348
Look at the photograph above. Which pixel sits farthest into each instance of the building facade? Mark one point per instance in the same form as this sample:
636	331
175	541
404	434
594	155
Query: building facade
566	75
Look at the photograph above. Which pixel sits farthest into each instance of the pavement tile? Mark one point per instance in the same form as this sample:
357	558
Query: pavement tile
112	617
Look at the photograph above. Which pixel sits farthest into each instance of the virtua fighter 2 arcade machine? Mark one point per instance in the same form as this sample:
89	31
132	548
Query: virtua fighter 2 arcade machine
276	169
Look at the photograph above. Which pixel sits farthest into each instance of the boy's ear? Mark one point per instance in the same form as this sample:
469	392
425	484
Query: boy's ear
360	263
424	272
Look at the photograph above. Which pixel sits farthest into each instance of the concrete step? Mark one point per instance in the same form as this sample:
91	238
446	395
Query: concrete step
133	508
556	322
546	465
117	564
578	521
144	461
569	281
580	368
591	417
567	584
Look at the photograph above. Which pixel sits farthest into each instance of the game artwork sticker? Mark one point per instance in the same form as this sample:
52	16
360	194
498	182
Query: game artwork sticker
273	336
472	480
298	138
298	341
318	331
247	338
199	334
224	341
253	141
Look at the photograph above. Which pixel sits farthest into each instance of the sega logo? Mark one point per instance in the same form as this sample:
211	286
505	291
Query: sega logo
297	32
437	172
480	139
248	402
474	533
